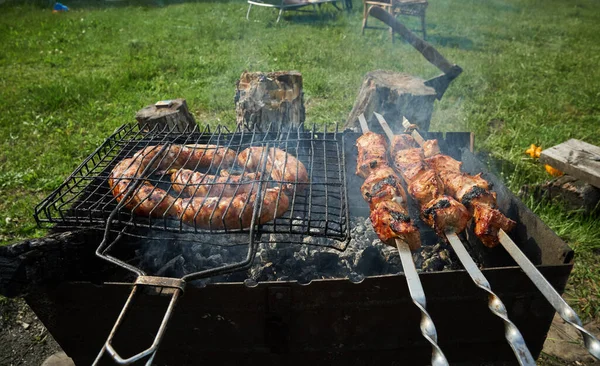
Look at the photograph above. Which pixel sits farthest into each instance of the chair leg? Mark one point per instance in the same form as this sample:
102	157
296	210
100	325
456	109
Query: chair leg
365	15
279	16
248	13
423	27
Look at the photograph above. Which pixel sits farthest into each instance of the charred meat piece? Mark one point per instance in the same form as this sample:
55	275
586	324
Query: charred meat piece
445	213
460	184
372	154
440	212
488	221
390	220
383	185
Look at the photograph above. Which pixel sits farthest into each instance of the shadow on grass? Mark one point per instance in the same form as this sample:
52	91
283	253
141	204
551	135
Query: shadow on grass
462	43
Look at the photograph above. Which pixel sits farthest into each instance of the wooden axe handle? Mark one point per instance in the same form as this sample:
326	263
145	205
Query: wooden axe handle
427	50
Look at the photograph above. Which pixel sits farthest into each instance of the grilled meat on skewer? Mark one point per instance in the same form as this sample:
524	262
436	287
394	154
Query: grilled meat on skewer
383	185
389	215
390	221
384	193
438	211
372	154
474	192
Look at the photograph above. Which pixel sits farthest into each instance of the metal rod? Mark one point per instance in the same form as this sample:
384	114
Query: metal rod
511	332
560	305
418	297
415	287
150	351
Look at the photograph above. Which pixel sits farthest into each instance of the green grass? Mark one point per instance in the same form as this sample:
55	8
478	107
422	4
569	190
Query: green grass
68	80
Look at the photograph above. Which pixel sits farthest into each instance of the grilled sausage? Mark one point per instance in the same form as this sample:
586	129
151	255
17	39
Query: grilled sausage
186	156
231	212
146	200
197	184
208	213
280	165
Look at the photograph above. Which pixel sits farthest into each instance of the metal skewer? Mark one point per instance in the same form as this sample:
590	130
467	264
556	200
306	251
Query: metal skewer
496	306
415	289
560	305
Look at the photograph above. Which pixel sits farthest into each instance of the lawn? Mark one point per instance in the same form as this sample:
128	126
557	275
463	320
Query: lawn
68	80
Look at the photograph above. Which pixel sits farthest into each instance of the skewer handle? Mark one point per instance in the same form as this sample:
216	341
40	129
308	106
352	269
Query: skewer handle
418	297
560	305
511	332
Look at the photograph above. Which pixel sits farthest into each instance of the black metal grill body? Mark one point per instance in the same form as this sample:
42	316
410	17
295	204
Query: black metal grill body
325	322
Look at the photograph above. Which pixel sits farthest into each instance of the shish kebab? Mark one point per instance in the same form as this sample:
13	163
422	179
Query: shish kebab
391	222
419	177
444	163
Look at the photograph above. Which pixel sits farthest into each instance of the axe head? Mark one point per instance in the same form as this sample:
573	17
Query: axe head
441	83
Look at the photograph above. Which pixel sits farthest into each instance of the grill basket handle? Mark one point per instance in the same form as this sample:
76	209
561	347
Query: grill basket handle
177	287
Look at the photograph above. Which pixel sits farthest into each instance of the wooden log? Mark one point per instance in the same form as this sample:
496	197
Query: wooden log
574	193
576	158
171	115
262	99
393	95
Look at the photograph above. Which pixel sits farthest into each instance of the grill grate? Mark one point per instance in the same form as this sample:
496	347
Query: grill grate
321	209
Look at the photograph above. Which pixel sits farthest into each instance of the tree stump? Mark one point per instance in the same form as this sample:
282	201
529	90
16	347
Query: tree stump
393	95
172	115
265	98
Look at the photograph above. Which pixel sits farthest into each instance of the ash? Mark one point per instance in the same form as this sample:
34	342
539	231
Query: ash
364	256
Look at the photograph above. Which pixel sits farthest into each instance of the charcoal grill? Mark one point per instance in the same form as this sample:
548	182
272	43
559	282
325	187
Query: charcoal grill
327	321
84	199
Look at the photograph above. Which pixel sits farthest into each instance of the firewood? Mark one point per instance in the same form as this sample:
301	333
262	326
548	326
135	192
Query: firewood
265	99
393	95
170	115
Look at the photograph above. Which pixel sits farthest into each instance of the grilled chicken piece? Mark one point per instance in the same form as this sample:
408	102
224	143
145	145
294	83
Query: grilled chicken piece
383	185
488	221
372	154
442	163
431	148
445	213
390	221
